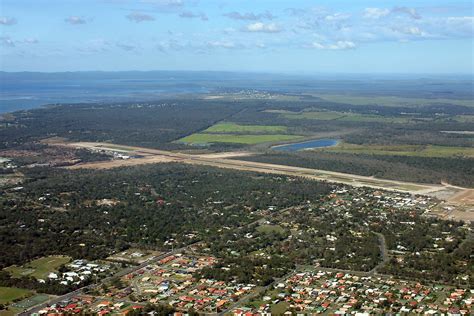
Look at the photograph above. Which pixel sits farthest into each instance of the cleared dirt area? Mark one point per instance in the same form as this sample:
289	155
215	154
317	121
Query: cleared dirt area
463	197
455	211
465	216
121	163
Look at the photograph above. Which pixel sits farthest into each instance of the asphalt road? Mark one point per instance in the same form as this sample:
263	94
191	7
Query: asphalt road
119	274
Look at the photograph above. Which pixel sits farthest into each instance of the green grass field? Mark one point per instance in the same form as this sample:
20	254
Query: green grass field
8	294
345	116
248	129
202	138
390	100
403	150
229	132
39	268
322	116
268	229
10	312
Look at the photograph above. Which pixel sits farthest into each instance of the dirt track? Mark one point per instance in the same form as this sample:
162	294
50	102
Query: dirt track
221	160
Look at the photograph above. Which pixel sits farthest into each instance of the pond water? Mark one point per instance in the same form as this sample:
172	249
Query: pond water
317	143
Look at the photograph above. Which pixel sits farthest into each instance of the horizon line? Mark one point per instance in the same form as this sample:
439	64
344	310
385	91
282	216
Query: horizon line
293	73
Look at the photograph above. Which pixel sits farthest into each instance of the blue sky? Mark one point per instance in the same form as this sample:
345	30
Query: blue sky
297	36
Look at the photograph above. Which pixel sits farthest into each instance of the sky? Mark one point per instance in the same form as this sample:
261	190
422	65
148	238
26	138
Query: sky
297	36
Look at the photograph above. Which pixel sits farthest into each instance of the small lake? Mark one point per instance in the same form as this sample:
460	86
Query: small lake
317	143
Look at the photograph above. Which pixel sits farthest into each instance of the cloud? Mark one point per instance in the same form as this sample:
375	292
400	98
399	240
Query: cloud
337	17
138	17
412	13
337	30
223	44
191	15
319	18
165	3
126	47
95	46
410	30
295	11
339	45
249	16
259	27
30	41
375	13
467	20
159	6
172	44
229	30
7	41
4	20
197	46
463	24
75	20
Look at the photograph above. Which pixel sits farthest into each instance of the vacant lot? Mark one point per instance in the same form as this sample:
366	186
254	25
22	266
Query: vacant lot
403	150
39	268
202	138
8	294
226	128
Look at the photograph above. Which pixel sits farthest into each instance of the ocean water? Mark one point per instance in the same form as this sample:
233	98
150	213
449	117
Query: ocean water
23	93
